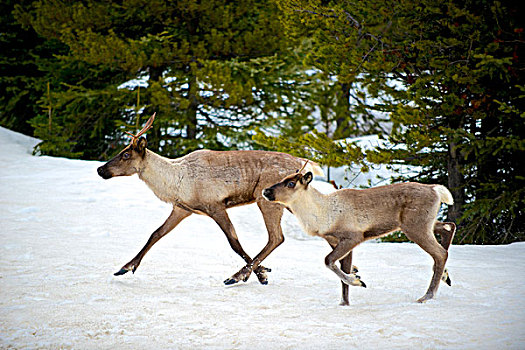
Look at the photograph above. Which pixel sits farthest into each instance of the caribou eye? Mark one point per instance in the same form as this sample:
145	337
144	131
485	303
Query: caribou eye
126	156
290	184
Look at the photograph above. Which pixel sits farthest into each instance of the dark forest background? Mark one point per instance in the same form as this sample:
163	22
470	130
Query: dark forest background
440	81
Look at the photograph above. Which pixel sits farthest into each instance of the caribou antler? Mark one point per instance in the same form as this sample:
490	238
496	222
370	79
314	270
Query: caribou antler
304	165
146	127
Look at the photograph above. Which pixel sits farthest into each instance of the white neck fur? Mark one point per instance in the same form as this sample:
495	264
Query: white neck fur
161	175
310	209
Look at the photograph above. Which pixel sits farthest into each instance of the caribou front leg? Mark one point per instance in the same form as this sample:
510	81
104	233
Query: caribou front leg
346	267
341	251
176	216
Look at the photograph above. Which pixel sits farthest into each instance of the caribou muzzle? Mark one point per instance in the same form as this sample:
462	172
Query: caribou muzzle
269	194
104	173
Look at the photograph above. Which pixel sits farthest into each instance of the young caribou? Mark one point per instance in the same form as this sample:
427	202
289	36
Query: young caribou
348	217
207	183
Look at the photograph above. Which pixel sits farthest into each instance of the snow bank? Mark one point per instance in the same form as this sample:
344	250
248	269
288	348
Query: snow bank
64	231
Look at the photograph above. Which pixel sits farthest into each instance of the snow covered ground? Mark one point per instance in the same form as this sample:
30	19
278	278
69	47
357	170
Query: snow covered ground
64	231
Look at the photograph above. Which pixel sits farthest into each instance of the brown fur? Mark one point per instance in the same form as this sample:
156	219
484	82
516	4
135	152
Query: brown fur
207	183
348	217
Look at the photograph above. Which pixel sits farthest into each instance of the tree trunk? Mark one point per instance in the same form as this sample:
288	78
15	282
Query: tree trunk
191	127
155	74
342	118
455	183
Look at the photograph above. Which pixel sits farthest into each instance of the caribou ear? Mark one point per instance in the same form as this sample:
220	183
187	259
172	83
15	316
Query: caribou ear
307	178
140	145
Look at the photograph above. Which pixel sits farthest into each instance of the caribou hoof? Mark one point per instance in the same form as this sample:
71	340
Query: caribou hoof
353	280
358	282
230	281
242	275
121	272
260	272
263	279
446	278
448	281
425	298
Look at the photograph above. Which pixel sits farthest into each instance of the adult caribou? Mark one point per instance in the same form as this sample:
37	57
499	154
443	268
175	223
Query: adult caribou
209	182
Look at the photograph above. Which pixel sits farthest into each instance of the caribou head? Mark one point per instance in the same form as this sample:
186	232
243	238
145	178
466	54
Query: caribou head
129	160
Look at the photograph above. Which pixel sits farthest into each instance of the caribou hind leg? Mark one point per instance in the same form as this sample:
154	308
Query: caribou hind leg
427	241
223	220
272	214
176	216
446	231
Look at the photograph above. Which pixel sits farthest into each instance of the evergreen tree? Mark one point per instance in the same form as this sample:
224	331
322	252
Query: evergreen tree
212	70
450	77
21	82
